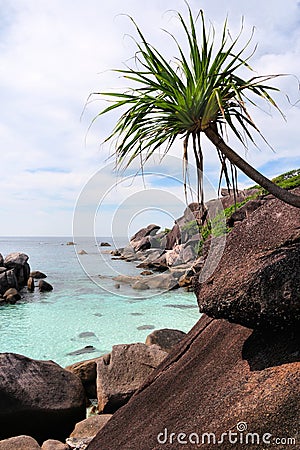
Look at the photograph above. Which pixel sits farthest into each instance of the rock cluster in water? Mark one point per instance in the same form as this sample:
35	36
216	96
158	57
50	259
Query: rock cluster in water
15	275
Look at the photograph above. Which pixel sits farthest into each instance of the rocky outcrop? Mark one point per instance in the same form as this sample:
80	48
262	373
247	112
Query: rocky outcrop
89	427
38	398
222	377
37	275
256	283
166	338
123	371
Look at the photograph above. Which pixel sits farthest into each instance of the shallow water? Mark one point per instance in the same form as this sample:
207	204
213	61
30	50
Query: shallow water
79	312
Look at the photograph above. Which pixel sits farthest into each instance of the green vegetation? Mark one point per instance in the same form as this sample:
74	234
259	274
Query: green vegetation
288	180
217	226
203	91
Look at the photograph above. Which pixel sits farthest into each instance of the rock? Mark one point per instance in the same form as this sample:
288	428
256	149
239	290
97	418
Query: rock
82	252
36	274
127	279
150	230
163	281
87	372
105	244
44	286
221	374
243	212
173	256
30	284
146	327
82	351
78	444
70	243
140	286
173	237
11	296
185	281
115	253
159	264
188	254
8	280
38	398
15	259
3	269
120	375
146	273
142	244
86	334
165	338
90	427
19	443
1	260
256	283
52	444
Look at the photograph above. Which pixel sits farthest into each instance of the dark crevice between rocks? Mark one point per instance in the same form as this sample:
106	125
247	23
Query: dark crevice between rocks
265	349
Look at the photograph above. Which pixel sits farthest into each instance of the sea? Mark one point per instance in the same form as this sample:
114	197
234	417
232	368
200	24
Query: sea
87	312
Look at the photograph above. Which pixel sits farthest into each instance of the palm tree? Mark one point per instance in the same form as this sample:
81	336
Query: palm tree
201	93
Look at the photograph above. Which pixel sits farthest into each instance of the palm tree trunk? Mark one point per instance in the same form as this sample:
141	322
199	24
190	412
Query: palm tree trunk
248	170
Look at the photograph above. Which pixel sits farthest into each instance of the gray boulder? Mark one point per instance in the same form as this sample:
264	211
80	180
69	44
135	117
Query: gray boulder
15	259
37	275
123	372
165	338
38	398
89	427
8	280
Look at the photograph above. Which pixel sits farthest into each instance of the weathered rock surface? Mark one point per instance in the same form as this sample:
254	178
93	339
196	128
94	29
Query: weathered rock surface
11	296
38	398
257	282
87	372
36	274
44	286
165	338
90	426
14	271
52	444
219	375
124	370
150	230
19	443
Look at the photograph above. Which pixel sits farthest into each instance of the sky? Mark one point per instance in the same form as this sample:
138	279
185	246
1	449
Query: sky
54	54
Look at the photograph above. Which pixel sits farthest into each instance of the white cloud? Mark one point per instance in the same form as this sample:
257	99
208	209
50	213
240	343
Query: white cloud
53	54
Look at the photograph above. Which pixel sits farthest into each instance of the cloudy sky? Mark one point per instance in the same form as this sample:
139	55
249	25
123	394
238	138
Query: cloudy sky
54	53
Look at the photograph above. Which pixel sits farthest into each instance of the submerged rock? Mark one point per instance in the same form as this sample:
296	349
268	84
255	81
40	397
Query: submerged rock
82	351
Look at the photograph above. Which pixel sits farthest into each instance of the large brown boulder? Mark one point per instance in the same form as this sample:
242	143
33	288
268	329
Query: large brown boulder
38	398
257	282
87	372
220	377
19	443
123	371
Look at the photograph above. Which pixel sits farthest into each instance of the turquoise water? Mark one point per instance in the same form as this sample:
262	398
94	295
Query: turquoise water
48	325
